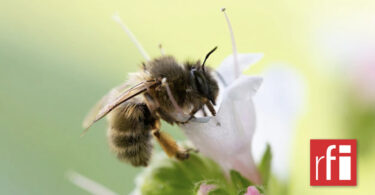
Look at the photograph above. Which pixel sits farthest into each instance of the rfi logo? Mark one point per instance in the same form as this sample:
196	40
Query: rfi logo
333	162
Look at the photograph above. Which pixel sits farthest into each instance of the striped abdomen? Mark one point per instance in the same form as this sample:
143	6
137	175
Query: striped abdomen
129	132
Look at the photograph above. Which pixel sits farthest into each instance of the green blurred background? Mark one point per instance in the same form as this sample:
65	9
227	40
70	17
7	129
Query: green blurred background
57	58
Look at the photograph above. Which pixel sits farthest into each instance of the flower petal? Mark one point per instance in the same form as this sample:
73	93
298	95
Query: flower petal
226	68
244	87
278	103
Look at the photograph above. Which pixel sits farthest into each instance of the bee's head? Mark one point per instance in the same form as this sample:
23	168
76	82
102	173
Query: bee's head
202	80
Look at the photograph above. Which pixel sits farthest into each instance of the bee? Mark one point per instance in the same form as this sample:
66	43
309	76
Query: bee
163	89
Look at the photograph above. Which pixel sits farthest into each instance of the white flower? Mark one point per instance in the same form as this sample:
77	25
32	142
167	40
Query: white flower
227	137
278	103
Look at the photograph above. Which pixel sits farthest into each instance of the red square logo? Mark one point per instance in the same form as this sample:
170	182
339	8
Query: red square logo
333	162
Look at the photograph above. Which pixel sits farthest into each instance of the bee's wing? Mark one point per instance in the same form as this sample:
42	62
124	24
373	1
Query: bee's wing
114	98
90	117
110	96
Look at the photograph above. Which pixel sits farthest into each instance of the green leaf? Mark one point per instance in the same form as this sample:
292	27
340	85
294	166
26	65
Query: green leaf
265	165
170	176
260	189
239	181
242	191
276	186
218	191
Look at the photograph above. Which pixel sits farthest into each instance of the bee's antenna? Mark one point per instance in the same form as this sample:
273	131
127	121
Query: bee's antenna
208	55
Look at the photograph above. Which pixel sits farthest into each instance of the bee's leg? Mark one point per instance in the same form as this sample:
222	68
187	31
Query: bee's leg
166	116
169	145
191	114
204	111
211	108
151	103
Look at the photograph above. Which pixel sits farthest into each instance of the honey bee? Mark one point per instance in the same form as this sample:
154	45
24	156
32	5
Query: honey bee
163	89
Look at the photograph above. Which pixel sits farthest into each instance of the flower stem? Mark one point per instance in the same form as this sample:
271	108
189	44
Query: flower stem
117	19
234	47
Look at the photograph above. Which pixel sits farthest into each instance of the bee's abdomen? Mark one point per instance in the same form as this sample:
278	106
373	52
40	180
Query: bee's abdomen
129	133
132	147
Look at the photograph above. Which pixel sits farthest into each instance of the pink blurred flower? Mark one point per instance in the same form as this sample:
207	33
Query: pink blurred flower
348	41
363	79
204	189
251	190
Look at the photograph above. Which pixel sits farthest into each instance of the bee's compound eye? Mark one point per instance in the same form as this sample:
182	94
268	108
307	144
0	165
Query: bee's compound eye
200	82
